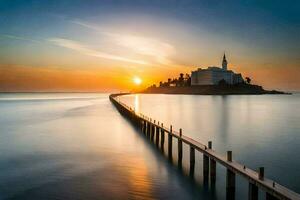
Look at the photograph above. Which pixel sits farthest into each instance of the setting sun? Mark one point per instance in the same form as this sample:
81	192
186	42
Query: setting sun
137	80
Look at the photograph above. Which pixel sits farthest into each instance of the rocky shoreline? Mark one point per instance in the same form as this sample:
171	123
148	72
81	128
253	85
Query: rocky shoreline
240	89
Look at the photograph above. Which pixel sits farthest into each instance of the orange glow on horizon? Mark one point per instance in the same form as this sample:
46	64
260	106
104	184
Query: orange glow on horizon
23	78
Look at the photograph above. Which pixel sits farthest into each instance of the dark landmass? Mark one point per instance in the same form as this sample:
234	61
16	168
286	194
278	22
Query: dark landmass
243	89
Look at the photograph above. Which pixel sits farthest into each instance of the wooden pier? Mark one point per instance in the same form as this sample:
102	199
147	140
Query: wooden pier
154	131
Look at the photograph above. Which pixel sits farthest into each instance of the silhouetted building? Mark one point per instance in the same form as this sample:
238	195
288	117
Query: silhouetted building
213	75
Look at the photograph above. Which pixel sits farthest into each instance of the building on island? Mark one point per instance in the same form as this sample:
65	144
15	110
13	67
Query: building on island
213	75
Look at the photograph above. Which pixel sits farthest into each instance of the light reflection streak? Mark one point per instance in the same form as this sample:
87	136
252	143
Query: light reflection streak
140	181
137	103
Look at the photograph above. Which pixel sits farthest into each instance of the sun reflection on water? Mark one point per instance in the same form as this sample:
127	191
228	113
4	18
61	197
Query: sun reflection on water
137	103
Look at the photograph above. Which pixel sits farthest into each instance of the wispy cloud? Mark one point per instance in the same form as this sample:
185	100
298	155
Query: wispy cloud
14	37
145	50
158	50
77	46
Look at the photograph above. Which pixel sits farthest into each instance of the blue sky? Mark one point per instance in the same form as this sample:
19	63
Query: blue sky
144	36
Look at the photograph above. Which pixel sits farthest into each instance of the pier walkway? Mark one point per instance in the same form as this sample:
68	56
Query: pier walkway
156	133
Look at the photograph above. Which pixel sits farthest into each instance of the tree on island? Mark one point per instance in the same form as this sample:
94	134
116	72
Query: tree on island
248	80
187	80
169	81
180	80
152	86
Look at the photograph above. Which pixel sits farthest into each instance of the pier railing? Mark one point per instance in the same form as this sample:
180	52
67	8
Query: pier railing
156	132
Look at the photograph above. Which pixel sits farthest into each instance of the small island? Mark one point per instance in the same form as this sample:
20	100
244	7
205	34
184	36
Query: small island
210	81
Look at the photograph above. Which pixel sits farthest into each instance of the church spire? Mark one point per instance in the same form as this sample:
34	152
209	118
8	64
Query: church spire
224	63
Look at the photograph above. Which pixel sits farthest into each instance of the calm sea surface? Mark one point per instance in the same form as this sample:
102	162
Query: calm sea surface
77	146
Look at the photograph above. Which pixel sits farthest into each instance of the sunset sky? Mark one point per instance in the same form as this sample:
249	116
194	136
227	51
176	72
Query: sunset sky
89	45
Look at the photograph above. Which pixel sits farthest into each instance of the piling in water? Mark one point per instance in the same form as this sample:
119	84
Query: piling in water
170	143
180	148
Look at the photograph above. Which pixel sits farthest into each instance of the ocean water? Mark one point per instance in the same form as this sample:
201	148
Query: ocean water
261	130
77	146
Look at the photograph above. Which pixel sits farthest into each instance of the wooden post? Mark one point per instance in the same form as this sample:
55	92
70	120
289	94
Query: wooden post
140	123
153	131
157	135
213	171
212	165
145	127
230	185
180	148
252	192
148	129
229	156
162	140
261	173
205	167
230	180
210	144
192	155
192	161
170	143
